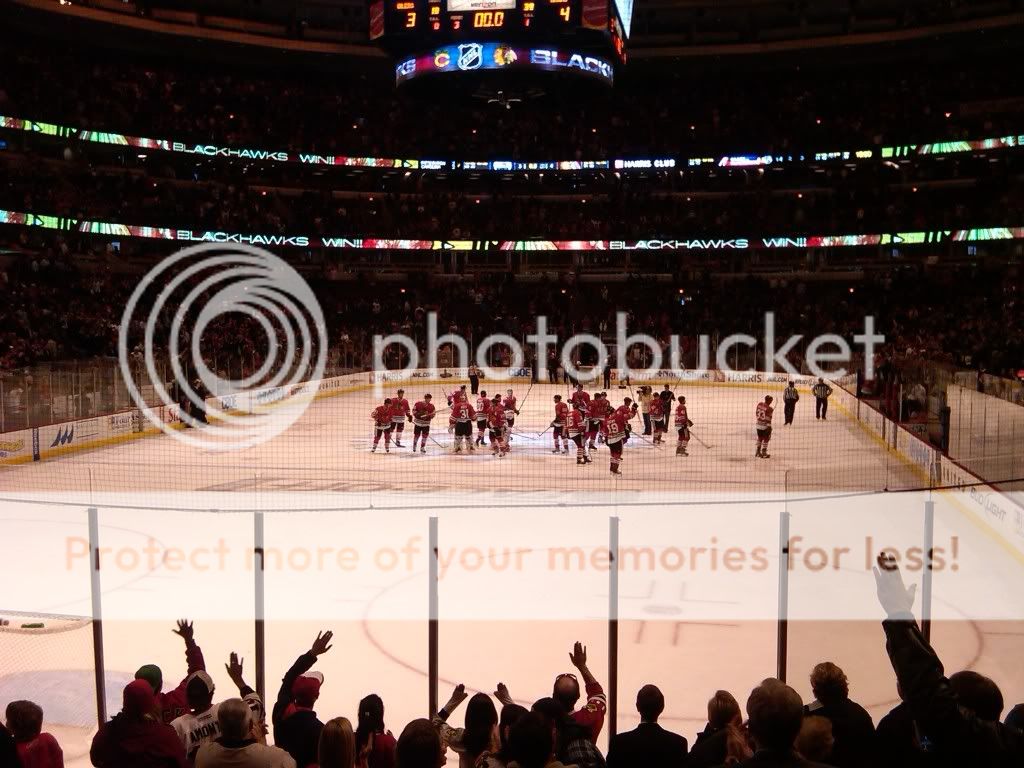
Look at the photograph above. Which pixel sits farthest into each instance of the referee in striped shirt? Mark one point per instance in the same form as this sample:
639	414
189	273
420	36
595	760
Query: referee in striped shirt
821	392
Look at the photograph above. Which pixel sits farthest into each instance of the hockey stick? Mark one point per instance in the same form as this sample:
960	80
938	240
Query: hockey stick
697	438
520	433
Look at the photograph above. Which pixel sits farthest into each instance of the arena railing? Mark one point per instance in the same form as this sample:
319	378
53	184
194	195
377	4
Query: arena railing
901	152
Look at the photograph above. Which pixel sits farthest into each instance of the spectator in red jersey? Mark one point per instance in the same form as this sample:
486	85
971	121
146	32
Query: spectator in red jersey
296	726
135	737
174	704
375	745
35	749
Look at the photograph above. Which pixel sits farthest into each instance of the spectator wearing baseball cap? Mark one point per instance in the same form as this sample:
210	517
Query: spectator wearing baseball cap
174	703
135	737
296	725
200	725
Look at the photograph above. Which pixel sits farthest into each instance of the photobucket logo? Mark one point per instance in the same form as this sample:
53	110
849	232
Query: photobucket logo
194	288
659	356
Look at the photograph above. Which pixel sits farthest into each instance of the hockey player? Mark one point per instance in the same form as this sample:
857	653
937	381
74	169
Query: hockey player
458	395
483	407
509	404
400	411
462	418
659	422
599	410
763	415
382	420
422	414
614	429
498	425
559	424
580	399
577	428
683	425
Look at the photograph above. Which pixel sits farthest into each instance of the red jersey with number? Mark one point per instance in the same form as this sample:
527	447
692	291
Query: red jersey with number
462	411
496	417
422	413
599	409
483	407
763	414
657	408
577	423
561	412
627	411
614	428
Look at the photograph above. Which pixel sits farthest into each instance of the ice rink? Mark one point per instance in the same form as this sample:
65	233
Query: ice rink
522	555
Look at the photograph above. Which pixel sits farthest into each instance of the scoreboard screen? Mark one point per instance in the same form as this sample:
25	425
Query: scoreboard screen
428	22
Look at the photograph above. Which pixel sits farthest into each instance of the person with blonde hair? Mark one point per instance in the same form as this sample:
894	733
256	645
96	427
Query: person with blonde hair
337	745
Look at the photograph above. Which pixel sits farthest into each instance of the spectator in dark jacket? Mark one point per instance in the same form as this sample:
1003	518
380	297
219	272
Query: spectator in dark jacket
649	744
8	752
573	745
960	736
776	713
296	726
852	729
174	704
711	746
899	743
419	746
135	738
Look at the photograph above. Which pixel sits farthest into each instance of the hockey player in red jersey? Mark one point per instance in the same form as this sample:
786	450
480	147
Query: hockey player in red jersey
683	425
483	407
400	411
763	416
597	413
382	423
458	395
422	414
627	410
498	425
559	424
579	399
614	430
659	420
462	418
577	428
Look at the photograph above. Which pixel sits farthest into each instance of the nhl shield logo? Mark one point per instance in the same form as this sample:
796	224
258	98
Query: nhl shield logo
471	56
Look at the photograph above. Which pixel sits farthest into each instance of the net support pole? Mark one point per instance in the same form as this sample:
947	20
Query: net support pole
782	631
259	603
99	666
926	578
432	619
613	625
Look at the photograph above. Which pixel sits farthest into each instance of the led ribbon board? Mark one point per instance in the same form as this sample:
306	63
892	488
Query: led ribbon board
493	56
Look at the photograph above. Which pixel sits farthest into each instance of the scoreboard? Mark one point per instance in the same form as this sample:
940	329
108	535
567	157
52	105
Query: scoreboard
415	25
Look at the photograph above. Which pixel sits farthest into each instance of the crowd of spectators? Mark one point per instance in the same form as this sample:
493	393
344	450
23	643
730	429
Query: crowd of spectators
940	720
654	110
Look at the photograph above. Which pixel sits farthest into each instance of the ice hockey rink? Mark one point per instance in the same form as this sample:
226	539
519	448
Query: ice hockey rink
522	560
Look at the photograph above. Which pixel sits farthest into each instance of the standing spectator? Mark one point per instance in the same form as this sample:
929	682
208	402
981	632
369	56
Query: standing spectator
815	740
240	745
474	743
337	745
724	715
532	743
566	691
899	743
201	725
174	703
776	714
573	743
296	726
789	398
135	737
852	729
960	737
419	746
375	746
649	743
822	392
510	715
35	748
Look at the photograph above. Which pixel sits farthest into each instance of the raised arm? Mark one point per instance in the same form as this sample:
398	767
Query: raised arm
320	646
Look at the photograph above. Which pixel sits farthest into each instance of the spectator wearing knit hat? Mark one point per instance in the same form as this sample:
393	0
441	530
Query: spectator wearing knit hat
174	703
296	726
135	737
